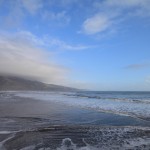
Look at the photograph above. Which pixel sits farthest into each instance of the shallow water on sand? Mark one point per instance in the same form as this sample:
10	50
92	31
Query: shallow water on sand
135	104
74	121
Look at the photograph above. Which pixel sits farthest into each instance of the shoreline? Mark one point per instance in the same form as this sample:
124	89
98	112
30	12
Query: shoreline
28	124
56	113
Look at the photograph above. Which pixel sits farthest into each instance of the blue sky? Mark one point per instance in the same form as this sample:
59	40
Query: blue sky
90	44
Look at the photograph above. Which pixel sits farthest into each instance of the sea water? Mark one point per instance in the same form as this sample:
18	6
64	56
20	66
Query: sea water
76	136
135	104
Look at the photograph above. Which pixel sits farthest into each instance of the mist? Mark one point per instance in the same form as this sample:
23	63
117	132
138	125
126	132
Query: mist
22	56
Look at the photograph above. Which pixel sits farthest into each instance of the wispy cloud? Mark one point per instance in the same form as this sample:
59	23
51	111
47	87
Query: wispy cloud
137	66
52	43
17	11
32	6
58	44
59	18
110	12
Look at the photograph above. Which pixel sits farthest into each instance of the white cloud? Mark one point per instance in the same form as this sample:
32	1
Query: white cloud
21	58
111	12
96	24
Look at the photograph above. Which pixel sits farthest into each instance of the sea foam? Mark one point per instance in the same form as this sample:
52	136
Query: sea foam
139	110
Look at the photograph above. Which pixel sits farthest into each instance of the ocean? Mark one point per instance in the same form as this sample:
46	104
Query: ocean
82	120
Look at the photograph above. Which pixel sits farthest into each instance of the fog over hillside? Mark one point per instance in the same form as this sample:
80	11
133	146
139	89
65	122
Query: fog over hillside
18	83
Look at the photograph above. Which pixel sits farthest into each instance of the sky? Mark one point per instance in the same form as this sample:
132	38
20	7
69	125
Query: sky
88	44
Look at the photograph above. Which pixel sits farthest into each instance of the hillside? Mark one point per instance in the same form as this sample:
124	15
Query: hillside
17	83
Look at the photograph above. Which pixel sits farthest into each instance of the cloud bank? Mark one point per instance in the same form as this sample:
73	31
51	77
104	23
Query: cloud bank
20	56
